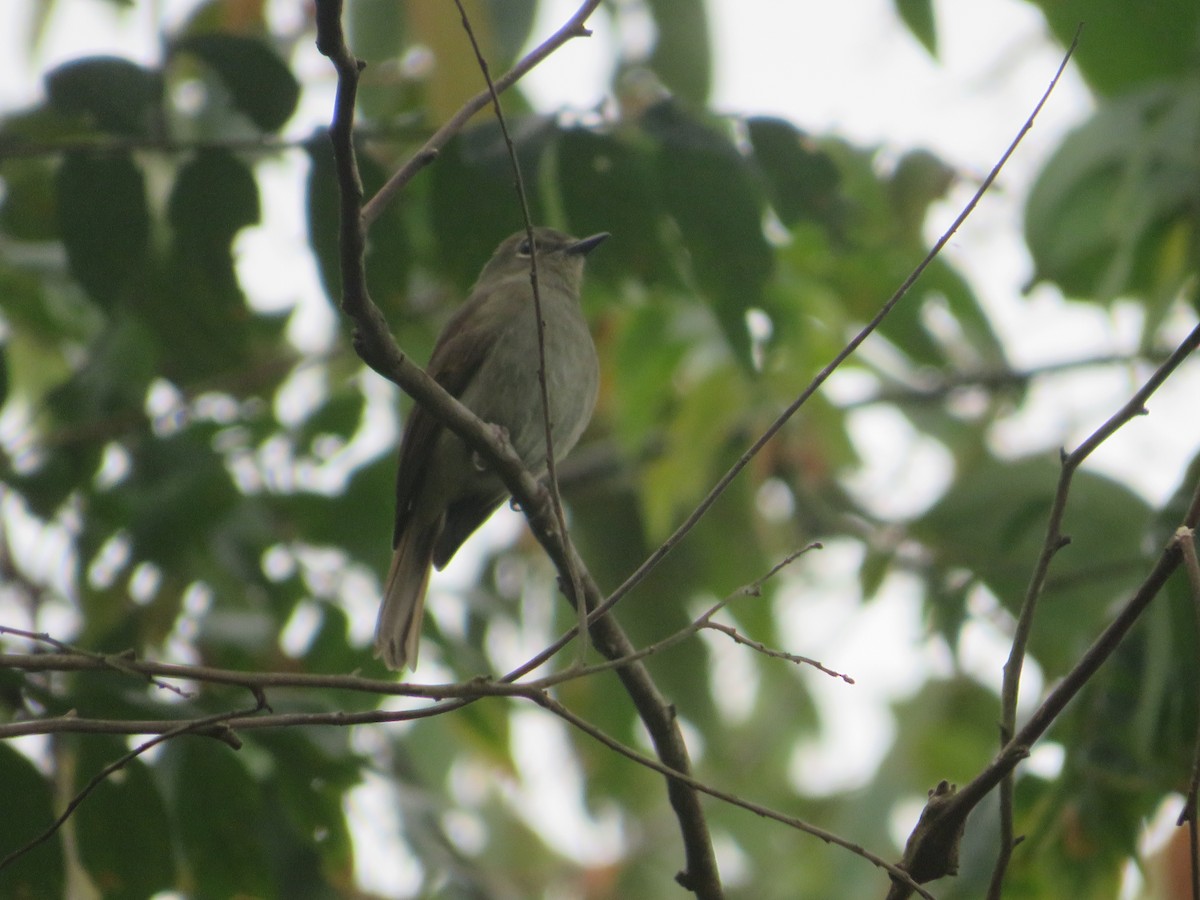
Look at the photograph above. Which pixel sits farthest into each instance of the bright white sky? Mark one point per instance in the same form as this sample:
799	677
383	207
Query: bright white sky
849	68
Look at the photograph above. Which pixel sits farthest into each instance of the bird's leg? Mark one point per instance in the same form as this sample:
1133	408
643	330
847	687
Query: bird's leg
501	435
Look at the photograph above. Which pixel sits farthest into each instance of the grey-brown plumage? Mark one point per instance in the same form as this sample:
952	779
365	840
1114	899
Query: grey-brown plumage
487	357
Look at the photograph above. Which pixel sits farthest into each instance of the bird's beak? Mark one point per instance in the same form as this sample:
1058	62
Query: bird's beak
588	244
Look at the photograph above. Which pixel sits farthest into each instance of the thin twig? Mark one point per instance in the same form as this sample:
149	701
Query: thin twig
760	647
1185	539
75	660
576	590
953	814
936	388
118	661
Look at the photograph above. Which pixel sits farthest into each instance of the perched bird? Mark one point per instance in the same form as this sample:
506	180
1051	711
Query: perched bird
487	357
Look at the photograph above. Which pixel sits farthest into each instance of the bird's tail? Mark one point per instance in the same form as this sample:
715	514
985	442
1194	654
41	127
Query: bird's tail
398	631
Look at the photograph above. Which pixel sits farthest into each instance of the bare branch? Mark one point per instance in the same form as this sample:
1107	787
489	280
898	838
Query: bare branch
1054	541
547	702
950	816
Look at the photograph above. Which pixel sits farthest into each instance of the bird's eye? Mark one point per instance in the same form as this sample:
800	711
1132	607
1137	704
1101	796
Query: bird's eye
523	248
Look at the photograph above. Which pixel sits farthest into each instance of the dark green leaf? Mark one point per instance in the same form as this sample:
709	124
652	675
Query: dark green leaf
802	180
993	522
1122	46
111	385
215	196
511	24
607	184
473	203
128	796
1102	215
177	494
359	520
104	221
260	84
919	17
220	821
309	775
118	95
28	811
682	55
3	375
709	190
27	207
388	251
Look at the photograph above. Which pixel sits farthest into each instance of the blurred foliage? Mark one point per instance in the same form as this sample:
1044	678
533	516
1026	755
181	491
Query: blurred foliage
200	464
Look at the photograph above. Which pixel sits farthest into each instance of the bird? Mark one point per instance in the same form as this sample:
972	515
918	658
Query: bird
487	357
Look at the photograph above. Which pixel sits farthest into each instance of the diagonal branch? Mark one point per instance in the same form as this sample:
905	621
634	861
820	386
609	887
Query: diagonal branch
934	848
1054	541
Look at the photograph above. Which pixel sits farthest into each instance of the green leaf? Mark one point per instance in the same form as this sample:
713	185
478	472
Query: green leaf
116	94
104	221
376	30
359	520
310	771
220	820
4	382
27	208
918	16
1120	46
177	493
259	83
214	196
511	23
112	383
130	797
389	251
682	55
1101	215
802	179
607	184
709	190
473	203
28	811
992	522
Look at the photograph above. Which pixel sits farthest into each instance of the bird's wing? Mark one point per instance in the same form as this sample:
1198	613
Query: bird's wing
458	354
